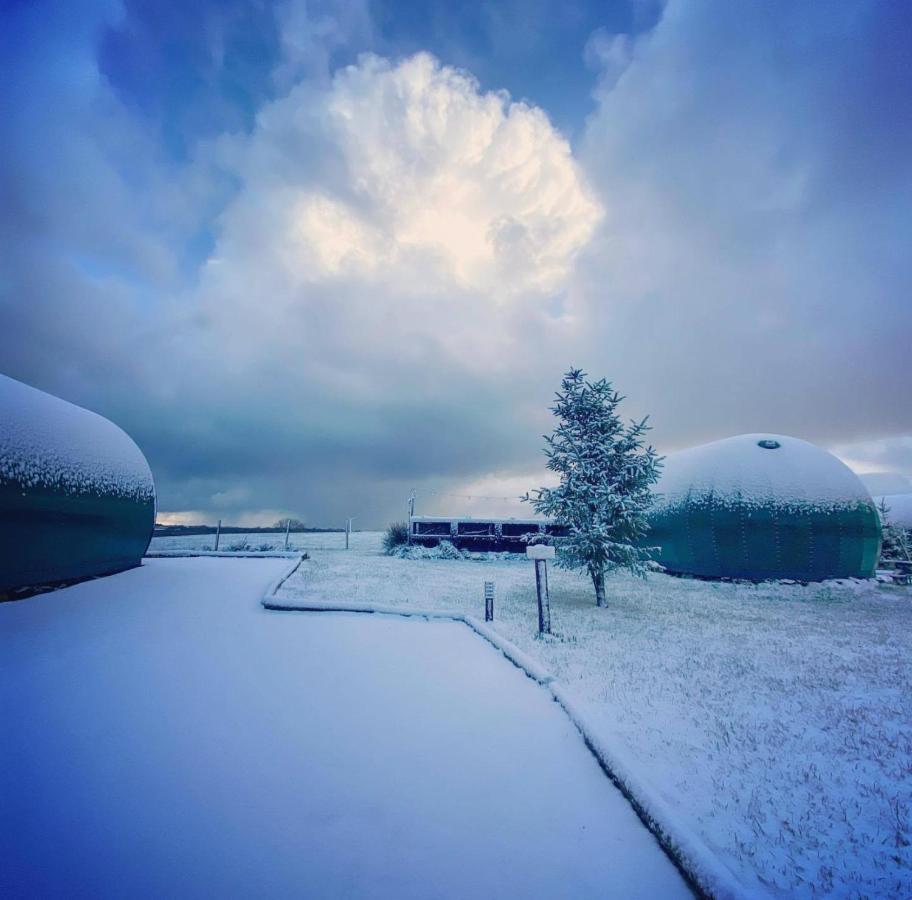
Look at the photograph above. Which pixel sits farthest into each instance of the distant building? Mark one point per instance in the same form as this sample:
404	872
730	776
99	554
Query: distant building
761	506
76	494
470	533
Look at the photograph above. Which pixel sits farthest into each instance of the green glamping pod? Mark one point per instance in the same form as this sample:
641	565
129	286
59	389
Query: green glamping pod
76	494
761	506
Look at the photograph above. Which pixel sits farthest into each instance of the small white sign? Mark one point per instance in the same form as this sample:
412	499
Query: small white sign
540	551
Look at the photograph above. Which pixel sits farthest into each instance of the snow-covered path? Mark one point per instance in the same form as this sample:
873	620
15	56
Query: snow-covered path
165	736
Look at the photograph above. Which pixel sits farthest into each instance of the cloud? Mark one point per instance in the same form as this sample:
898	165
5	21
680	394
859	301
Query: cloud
368	304
311	33
377	289
428	178
890	454
754	167
608	55
313	287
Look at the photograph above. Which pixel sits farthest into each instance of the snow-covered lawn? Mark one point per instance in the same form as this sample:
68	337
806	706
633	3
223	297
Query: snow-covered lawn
774	720
165	736
308	540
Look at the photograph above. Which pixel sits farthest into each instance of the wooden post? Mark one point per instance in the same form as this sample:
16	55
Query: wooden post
287	529
348	528
489	601
541	554
218	533
544	600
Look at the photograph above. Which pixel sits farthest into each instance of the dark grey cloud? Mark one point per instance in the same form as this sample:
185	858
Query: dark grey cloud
757	169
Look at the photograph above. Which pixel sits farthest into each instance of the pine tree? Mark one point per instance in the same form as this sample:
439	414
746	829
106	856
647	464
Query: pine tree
606	475
896	544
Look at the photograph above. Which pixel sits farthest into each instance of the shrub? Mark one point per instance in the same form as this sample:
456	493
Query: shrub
396	535
445	550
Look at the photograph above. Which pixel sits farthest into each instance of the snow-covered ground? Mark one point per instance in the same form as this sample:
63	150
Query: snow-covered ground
165	736
311	540
775	720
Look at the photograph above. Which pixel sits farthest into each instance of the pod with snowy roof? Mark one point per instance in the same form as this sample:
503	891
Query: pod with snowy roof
76	494
761	506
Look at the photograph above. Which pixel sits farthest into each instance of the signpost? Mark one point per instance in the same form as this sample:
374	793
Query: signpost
489	601
540	554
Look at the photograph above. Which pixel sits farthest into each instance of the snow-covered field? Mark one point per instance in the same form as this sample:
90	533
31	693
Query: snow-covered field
775	720
165	736
312	540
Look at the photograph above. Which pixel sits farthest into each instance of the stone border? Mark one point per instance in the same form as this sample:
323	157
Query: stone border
223	554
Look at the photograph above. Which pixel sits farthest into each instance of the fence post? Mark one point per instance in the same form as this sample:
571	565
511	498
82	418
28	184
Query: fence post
287	529
544	599
541	553
218	534
489	601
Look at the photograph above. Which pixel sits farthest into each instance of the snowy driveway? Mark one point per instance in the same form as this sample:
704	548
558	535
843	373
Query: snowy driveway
165	736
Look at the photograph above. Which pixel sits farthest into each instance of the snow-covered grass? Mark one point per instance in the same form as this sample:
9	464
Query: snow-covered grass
311	540
165	736
774	720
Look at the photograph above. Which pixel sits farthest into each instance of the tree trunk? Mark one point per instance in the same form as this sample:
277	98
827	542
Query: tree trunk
598	580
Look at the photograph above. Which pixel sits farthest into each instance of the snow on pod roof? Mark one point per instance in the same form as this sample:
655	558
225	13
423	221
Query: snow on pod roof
899	508
760	469
48	442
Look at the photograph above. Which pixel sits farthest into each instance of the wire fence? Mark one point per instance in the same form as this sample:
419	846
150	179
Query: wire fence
258	541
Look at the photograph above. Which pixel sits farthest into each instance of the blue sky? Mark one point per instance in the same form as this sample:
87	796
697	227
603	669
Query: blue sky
312	255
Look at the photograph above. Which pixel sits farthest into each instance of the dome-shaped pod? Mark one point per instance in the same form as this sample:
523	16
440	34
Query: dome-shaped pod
761	506
76	494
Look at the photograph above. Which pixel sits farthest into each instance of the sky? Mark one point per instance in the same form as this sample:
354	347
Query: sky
315	255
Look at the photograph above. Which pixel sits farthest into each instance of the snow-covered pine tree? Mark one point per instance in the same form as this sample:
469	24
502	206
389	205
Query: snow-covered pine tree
895	543
606	475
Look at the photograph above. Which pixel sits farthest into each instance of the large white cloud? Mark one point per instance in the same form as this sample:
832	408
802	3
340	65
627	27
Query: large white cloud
397	243
420	174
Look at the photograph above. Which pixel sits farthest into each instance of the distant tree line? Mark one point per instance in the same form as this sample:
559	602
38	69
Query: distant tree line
292	524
